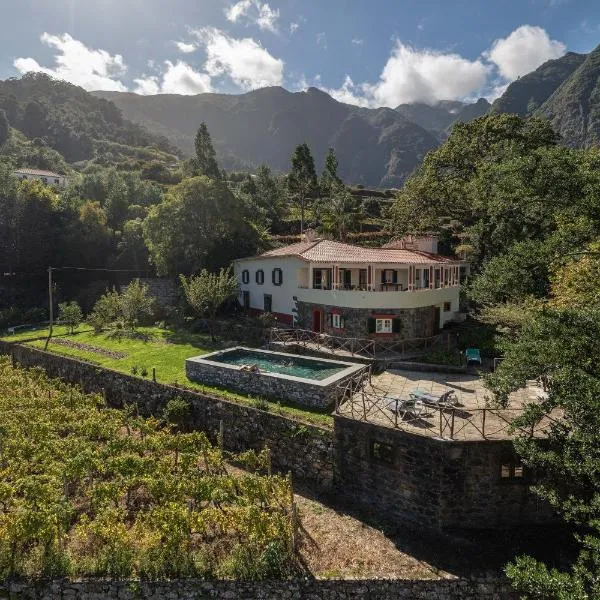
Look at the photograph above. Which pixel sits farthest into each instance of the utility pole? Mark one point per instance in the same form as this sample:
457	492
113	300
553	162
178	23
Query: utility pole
51	307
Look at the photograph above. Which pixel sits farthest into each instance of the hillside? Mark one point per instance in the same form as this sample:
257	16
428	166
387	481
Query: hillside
376	147
75	123
529	92
574	108
438	119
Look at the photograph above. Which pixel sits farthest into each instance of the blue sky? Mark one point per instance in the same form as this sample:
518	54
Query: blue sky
375	52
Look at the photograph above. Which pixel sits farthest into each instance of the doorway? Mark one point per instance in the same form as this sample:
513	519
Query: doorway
317	321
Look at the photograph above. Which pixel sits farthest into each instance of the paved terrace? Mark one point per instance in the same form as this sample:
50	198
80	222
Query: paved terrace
470	419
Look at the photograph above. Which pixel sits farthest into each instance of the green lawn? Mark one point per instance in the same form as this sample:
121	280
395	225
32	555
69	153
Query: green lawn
166	351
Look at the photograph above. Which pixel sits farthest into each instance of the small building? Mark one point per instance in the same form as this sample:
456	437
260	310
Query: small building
403	290
46	177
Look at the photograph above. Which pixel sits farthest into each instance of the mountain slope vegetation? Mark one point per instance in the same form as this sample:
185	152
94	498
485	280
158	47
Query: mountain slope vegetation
374	146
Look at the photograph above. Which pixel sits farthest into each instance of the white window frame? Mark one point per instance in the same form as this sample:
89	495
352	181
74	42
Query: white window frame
336	321
383	325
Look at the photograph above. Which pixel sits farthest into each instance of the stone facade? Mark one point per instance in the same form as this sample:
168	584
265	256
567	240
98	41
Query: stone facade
293	589
439	484
318	394
416	322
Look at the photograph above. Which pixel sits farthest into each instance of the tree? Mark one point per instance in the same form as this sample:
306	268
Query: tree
329	177
135	303
302	179
205	153
4	127
206	292
560	347
70	314
200	224
339	213
106	310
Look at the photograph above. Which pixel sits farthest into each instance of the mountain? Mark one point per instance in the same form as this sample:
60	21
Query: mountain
574	107
525	95
75	123
439	118
375	147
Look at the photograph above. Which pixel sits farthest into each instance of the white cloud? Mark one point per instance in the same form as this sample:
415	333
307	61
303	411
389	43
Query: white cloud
244	61
358	42
185	47
322	40
412	75
75	62
178	78
294	27
524	50
254	12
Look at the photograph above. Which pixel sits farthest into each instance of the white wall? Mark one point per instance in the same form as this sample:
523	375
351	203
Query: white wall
282	294
62	180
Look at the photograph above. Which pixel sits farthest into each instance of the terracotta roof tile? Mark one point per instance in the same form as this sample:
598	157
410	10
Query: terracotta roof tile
326	251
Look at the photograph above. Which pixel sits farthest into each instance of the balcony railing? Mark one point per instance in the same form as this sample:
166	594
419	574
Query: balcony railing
379	287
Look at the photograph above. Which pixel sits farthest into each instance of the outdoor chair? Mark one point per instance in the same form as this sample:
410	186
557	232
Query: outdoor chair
405	407
473	355
446	399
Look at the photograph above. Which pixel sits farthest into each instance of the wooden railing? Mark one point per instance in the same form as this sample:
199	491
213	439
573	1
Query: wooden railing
371	348
444	422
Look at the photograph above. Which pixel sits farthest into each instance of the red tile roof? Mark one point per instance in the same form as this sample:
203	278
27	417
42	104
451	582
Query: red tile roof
326	251
40	172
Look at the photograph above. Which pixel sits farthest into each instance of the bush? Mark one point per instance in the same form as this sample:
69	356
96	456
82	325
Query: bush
70	314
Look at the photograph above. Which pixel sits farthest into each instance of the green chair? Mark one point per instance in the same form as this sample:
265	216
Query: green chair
473	355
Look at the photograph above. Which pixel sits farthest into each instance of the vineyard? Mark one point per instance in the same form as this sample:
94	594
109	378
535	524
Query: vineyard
87	490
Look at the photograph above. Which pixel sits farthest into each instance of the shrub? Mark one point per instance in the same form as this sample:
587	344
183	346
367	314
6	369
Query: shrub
70	314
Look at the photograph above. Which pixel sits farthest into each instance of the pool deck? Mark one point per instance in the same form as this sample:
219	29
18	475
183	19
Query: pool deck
466	421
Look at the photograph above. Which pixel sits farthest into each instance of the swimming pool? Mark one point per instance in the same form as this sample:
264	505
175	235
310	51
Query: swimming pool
274	375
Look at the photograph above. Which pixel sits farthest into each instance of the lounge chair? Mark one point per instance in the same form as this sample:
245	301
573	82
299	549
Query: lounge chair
473	355
404	407
446	399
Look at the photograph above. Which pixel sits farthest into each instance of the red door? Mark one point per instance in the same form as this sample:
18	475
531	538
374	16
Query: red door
317	323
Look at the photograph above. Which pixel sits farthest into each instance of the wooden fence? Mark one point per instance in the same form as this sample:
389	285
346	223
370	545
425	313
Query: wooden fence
366	347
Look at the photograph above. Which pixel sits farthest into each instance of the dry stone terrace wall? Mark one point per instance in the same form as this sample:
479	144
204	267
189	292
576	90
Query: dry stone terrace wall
298	589
305	450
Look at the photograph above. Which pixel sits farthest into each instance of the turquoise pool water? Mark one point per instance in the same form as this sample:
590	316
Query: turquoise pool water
280	363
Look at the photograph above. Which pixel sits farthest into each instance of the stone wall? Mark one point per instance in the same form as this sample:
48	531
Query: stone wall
416	322
305	450
440	484
316	394
296	589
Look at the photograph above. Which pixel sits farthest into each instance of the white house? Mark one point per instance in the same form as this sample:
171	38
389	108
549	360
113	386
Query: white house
402	290
46	177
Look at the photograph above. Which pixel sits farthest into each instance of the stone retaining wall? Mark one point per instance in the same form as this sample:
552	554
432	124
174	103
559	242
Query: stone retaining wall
304	449
298	589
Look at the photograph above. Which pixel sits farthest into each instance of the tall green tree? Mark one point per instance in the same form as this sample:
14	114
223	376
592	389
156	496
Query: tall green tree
205	153
330	179
135	303
4	127
338	213
206	292
560	347
302	179
200	224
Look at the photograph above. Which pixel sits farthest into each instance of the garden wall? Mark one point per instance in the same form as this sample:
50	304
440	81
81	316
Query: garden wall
298	589
305	450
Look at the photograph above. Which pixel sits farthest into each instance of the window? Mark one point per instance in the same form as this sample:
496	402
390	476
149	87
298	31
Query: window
382	452
447	306
246	299
268	303
45	179
512	470
337	321
277	277
383	326
260	277
57	181
245	276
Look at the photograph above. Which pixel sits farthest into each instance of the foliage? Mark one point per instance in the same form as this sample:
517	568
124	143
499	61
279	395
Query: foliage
107	493
302	179
330	179
4	127
135	304
206	292
70	314
205	153
200	224
560	347
106	310
338	214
